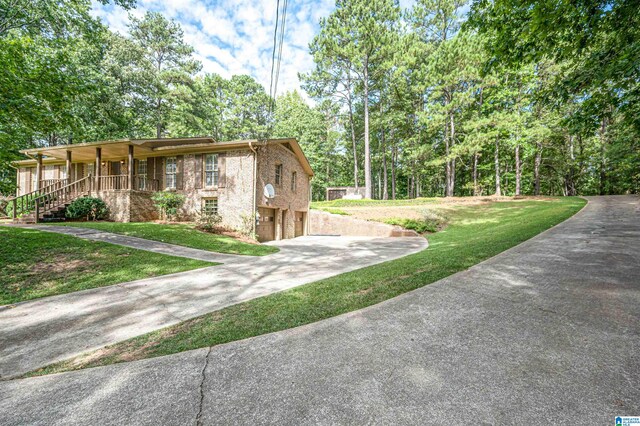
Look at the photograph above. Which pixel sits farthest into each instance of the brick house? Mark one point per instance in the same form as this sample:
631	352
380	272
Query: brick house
228	178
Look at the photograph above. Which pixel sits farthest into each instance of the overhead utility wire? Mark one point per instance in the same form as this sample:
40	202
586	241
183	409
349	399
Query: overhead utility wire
273	55
282	32
276	59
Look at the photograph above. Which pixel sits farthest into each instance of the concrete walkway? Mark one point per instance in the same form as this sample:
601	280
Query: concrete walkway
137	243
42	331
545	333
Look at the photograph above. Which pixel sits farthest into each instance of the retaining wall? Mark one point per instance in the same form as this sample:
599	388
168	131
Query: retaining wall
323	223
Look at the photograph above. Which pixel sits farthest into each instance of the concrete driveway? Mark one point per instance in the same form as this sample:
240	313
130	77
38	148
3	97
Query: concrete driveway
42	331
545	333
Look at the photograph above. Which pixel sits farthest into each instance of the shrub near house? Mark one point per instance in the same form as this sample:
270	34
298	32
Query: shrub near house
89	208
168	203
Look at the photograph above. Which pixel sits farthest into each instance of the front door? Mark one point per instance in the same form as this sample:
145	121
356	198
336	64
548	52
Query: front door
115	173
115	168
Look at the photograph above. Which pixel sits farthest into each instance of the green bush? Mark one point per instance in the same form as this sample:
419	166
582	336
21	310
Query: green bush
21	208
87	207
209	222
430	222
4	206
335	211
168	203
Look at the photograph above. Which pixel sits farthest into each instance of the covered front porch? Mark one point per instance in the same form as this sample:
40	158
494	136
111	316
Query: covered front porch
123	173
111	165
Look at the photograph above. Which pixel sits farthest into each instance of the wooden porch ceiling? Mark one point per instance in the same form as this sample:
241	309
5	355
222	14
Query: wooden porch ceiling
88	153
119	149
112	150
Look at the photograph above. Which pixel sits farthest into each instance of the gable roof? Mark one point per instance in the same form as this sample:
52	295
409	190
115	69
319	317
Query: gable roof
118	149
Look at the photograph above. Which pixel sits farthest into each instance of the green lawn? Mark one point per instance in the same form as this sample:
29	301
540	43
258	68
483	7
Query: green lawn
474	234
37	264
179	234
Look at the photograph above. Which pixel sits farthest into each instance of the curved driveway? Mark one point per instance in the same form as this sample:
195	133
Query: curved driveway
42	331
545	333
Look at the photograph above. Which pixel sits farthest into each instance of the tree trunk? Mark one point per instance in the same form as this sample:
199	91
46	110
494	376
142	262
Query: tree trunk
159	121
571	179
603	158
353	134
475	174
447	164
536	169
367	148
385	184
394	155
475	154
518	162
518	170
452	167
497	166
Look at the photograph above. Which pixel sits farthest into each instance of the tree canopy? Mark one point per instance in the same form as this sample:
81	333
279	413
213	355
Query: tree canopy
447	97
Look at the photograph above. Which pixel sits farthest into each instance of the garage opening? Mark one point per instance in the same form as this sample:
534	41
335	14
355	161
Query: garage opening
299	224
266	228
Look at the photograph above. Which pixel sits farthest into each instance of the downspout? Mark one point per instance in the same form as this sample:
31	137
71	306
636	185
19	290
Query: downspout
308	224
255	178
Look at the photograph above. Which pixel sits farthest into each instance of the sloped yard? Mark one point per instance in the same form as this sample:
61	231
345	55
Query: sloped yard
36	264
423	215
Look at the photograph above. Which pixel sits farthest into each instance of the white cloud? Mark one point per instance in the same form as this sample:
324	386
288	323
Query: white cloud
236	37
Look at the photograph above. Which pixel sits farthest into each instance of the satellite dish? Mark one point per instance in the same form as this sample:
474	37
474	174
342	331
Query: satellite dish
269	192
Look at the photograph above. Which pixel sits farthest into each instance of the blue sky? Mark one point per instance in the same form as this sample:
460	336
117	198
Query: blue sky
236	37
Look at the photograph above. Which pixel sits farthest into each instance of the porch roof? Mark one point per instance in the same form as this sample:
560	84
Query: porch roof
118	149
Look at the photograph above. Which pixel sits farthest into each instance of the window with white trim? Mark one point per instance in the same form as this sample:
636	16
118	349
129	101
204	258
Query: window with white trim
170	172
211	170
141	179
209	206
142	167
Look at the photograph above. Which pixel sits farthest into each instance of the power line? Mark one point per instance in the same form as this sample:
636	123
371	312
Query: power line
273	55
276	60
282	32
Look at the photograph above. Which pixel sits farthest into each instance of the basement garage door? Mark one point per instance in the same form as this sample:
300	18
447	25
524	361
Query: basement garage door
266	228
